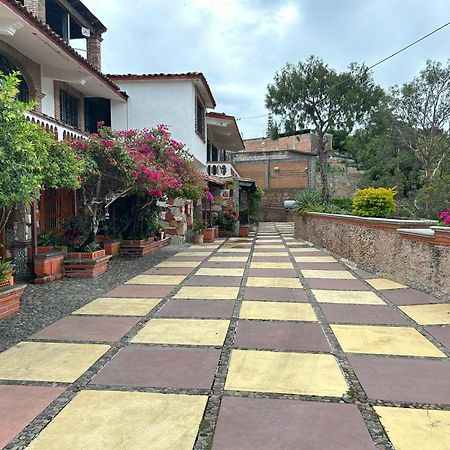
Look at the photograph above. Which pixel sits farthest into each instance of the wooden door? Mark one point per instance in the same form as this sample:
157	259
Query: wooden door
55	206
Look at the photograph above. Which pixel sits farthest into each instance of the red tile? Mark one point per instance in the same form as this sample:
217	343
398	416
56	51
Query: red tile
441	333
140	291
403	379
287	336
363	314
410	297
161	367
80	328
337	285
203	280
259	424
275	294
20	405
202	309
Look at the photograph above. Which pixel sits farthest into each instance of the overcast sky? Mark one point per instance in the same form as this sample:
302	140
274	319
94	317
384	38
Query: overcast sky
240	44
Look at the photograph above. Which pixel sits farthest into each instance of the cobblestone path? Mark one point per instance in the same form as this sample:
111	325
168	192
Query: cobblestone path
251	343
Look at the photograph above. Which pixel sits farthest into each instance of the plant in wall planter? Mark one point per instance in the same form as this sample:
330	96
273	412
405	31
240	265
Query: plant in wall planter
10	294
198	228
85	258
227	220
49	260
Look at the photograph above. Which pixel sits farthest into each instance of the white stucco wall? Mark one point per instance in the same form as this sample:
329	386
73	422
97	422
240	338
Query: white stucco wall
171	102
48	102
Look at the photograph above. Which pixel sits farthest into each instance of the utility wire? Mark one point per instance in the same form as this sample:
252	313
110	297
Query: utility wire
376	64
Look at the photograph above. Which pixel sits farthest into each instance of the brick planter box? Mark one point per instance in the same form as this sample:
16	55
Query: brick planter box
208	235
244	230
137	248
10	300
216	232
112	247
48	265
86	264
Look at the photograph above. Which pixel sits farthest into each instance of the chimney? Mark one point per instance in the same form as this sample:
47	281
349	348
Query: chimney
94	50
37	8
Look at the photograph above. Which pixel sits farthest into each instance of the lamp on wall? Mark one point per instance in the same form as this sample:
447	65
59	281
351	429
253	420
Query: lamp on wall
276	169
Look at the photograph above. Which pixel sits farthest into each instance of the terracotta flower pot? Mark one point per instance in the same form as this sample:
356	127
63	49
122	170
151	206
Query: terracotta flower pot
208	235
244	230
112	247
216	232
198	239
48	266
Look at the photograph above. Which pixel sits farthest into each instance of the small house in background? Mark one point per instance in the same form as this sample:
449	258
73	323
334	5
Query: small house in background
281	166
229	188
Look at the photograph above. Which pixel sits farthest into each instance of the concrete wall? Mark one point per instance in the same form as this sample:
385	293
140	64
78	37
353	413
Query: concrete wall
379	247
154	102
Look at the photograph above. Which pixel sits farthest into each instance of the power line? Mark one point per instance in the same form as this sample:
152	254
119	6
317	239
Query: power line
376	64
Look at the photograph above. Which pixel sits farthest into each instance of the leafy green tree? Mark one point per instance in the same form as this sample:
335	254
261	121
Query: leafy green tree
311	94
30	159
422	112
272	131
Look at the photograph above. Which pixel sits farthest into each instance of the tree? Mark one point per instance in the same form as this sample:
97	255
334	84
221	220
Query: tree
313	94
272	131
422	111
30	159
146	164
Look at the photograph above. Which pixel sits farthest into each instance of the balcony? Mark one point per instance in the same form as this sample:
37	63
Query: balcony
61	131
221	169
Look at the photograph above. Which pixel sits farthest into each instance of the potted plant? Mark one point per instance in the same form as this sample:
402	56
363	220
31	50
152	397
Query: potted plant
209	234
227	221
9	293
49	260
198	228
85	258
244	227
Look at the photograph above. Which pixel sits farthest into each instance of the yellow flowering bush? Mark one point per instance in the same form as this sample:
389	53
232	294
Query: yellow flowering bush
374	202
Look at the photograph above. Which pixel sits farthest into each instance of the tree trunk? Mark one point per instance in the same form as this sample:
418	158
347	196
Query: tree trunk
323	159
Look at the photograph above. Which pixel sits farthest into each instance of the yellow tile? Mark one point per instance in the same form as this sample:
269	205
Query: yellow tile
224	272
305	250
383	340
277	311
207	247
229	258
256	253
263	246
416	429
271	265
49	361
288	373
429	314
183	331
268	241
99	420
383	283
349	297
204	254
119	306
293	283
208	293
233	250
314	259
157	279
179	264
328	274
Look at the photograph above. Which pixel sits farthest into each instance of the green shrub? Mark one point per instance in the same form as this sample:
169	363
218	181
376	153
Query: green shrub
198	227
343	204
374	202
307	200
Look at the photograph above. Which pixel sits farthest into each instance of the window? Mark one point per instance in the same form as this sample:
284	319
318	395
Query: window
200	116
69	109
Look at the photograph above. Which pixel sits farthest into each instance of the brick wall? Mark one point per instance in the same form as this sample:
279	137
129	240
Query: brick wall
288	175
62	86
29	69
254	170
301	142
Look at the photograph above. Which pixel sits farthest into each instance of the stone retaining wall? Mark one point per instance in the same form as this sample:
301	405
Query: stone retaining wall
376	245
